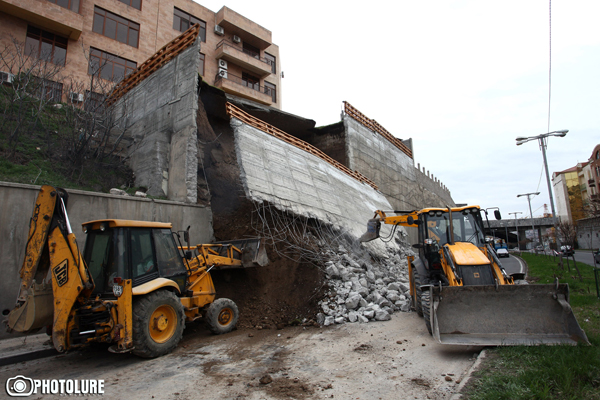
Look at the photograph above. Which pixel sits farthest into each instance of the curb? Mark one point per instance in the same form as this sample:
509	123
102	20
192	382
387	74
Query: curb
465	379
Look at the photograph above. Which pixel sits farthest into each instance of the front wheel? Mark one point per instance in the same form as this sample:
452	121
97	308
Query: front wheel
222	316
417	291
426	306
158	322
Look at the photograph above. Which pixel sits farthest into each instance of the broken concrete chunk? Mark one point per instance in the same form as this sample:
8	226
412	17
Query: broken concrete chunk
118	192
332	271
382	315
353	301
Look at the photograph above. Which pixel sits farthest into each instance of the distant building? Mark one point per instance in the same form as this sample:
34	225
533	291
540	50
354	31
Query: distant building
577	187
594	174
112	38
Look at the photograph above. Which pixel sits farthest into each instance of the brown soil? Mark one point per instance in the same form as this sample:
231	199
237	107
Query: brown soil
282	293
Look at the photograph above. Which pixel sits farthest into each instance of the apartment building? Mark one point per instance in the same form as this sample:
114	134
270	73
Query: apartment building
110	38
577	188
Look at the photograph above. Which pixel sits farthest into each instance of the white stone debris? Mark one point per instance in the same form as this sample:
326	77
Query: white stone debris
363	290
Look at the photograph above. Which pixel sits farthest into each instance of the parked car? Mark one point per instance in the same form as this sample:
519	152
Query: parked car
567	250
502	252
597	256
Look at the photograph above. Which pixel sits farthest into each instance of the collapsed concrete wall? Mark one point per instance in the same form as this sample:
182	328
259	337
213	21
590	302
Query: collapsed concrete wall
159	120
17	207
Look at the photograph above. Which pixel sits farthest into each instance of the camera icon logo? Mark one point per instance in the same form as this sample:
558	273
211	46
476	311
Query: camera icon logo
19	386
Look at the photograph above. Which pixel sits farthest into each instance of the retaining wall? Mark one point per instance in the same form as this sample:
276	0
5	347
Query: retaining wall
161	123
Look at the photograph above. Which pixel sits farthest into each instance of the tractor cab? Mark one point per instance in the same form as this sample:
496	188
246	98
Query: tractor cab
140	251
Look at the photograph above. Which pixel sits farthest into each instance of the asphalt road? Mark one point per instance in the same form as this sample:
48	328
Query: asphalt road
513	265
584	257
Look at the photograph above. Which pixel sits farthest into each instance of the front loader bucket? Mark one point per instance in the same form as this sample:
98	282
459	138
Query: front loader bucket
506	315
254	253
36	312
372	233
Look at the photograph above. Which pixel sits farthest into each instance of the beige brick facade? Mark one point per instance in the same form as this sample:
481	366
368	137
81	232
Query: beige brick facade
156	29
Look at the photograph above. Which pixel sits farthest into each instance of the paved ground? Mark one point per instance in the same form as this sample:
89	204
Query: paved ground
382	360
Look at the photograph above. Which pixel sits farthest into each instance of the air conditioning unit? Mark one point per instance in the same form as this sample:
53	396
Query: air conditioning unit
237	39
219	30
223	64
223	73
76	97
6	77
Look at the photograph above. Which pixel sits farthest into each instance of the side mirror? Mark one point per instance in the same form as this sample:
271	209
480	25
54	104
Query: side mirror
497	214
186	235
417	246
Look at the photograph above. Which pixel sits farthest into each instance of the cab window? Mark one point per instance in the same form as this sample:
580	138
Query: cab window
142	256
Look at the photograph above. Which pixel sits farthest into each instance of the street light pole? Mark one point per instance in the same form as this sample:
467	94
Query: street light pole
542	141
530	213
517	226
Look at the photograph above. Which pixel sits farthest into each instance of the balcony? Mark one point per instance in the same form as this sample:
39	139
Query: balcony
46	15
239	87
251	62
591	183
249	31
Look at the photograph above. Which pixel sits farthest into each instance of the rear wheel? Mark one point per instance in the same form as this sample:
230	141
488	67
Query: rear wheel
222	316
158	322
417	291
426	306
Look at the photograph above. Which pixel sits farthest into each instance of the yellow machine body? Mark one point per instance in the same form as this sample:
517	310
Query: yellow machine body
459	285
93	297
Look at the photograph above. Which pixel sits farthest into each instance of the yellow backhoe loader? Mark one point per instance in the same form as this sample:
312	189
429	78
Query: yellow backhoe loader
459	286
134	286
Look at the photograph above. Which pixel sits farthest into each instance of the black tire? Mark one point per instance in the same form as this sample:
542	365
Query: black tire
222	316
418	293
158	323
426	306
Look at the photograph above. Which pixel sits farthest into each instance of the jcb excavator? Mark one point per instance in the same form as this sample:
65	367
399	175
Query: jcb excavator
459	286
133	287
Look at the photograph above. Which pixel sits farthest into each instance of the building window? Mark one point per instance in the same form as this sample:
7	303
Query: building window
251	50
271	90
133	3
115	27
108	66
201	66
182	22
94	102
46	46
47	90
72	5
272	62
250	81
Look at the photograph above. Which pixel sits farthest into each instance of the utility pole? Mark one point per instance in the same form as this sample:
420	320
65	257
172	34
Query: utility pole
529	195
517	226
542	139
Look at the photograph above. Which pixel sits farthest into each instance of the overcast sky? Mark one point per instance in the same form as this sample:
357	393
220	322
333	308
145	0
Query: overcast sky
463	79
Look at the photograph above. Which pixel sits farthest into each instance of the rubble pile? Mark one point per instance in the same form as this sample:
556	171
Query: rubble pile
362	289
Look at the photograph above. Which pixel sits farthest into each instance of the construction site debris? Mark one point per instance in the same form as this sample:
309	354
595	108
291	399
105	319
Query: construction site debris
363	291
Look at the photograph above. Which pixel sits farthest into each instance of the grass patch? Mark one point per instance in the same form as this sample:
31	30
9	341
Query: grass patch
547	372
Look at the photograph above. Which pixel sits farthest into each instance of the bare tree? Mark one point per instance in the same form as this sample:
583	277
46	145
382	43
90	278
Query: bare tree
82	131
33	84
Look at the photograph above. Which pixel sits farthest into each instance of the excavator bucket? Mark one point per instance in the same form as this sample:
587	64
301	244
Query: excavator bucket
253	252
506	315
36	312
372	233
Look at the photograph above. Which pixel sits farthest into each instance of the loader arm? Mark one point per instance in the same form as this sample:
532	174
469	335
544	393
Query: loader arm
53	275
